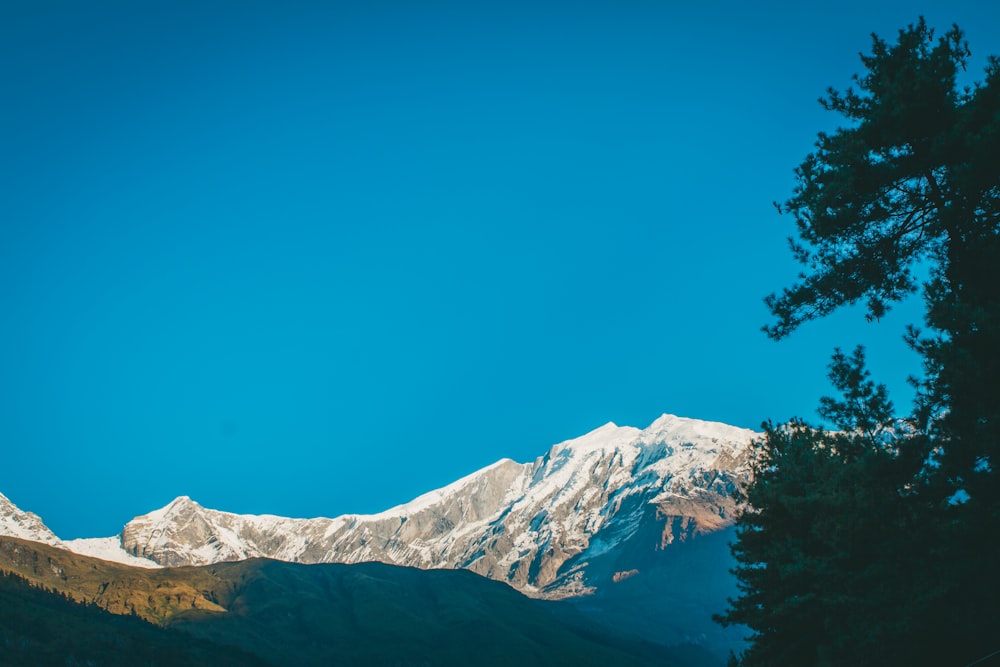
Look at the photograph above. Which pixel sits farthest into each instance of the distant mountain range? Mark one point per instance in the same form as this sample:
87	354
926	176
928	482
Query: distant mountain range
623	525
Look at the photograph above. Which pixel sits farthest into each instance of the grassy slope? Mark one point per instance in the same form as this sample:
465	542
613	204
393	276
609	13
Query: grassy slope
367	614
40	628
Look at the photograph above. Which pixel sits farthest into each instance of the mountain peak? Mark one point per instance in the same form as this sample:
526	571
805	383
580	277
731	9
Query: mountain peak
182	502
679	428
179	505
608	436
15	522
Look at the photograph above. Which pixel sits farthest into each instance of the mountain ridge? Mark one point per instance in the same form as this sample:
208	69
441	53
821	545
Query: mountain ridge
532	525
622	524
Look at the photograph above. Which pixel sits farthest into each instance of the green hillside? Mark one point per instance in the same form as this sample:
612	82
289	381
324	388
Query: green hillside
364	614
40	628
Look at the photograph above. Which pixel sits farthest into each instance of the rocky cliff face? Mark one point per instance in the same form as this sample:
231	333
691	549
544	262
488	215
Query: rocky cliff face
15	522
536	526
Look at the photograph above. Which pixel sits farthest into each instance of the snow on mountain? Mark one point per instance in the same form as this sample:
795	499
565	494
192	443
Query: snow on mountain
536	526
106	548
553	528
15	522
628	527
185	533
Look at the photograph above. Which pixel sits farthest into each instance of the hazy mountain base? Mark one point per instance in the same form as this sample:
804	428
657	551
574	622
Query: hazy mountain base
666	597
372	613
364	614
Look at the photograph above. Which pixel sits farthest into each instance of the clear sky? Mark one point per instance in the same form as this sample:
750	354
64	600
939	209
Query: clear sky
310	258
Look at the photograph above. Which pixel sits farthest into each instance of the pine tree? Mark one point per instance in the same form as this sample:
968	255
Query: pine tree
819	545
913	181
877	544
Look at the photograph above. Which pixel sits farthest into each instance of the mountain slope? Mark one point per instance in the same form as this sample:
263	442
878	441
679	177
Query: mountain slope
366	614
535	526
15	522
40	628
627	526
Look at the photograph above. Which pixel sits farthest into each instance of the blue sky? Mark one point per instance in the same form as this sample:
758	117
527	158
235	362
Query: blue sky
310	258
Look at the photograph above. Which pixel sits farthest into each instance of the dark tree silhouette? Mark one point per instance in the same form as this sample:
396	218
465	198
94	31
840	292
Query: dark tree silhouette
876	544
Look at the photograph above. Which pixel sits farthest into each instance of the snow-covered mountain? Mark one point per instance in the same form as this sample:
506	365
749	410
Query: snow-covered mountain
627	527
15	522
584	515
537	526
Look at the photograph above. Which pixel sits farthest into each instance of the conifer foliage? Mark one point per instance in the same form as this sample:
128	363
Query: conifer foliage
877	543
